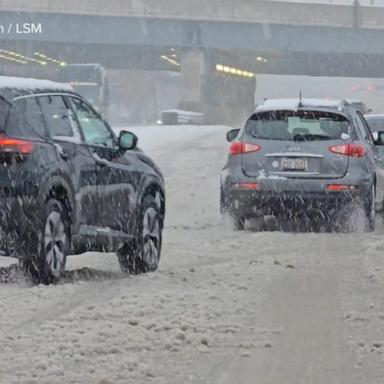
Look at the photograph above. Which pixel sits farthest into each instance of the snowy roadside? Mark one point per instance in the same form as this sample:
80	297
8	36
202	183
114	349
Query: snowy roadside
224	307
154	137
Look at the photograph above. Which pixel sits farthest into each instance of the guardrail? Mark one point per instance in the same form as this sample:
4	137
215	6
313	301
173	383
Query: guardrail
261	11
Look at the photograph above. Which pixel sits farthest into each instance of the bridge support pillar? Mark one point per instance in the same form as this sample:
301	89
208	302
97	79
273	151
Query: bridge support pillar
223	98
193	73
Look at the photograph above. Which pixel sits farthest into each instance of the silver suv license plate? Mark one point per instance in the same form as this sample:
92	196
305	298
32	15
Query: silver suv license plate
294	165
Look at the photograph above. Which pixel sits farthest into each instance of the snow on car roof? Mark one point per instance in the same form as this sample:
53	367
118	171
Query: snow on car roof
293	104
374	116
27	84
354	101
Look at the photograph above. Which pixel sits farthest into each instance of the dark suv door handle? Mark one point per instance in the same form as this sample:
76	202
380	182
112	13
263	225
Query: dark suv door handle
62	152
99	160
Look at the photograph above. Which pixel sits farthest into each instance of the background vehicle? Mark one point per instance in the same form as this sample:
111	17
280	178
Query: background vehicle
357	105
375	122
177	116
90	81
70	185
301	155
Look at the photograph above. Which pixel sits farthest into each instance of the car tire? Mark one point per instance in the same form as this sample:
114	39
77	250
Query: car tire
370	210
45	258
238	223
223	204
142	254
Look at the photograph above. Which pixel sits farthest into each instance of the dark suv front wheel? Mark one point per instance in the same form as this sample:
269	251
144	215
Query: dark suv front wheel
142	254
44	261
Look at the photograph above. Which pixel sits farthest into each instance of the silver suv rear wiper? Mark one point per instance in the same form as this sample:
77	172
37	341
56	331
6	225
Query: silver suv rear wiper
311	137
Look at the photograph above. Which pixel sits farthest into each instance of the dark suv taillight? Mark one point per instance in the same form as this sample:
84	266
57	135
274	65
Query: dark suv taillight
14	150
15	146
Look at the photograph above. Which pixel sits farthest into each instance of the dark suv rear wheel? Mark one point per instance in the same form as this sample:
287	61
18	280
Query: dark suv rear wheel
44	262
143	253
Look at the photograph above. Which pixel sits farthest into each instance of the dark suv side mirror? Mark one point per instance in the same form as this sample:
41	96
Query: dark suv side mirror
127	140
378	137
232	134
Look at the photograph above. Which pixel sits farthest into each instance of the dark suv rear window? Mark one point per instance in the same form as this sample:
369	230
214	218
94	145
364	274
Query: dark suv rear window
297	125
25	119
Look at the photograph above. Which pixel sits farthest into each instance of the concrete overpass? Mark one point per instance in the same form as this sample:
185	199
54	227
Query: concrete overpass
317	39
254	11
196	35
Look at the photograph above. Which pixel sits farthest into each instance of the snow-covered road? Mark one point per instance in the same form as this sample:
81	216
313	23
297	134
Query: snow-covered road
224	307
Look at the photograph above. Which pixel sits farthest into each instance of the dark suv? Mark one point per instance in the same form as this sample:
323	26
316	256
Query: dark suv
68	185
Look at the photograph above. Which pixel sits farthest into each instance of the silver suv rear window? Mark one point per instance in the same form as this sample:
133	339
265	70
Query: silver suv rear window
301	125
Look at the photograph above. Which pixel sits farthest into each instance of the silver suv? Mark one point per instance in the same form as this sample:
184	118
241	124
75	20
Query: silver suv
302	157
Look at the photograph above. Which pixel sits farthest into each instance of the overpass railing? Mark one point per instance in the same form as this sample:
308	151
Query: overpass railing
224	10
